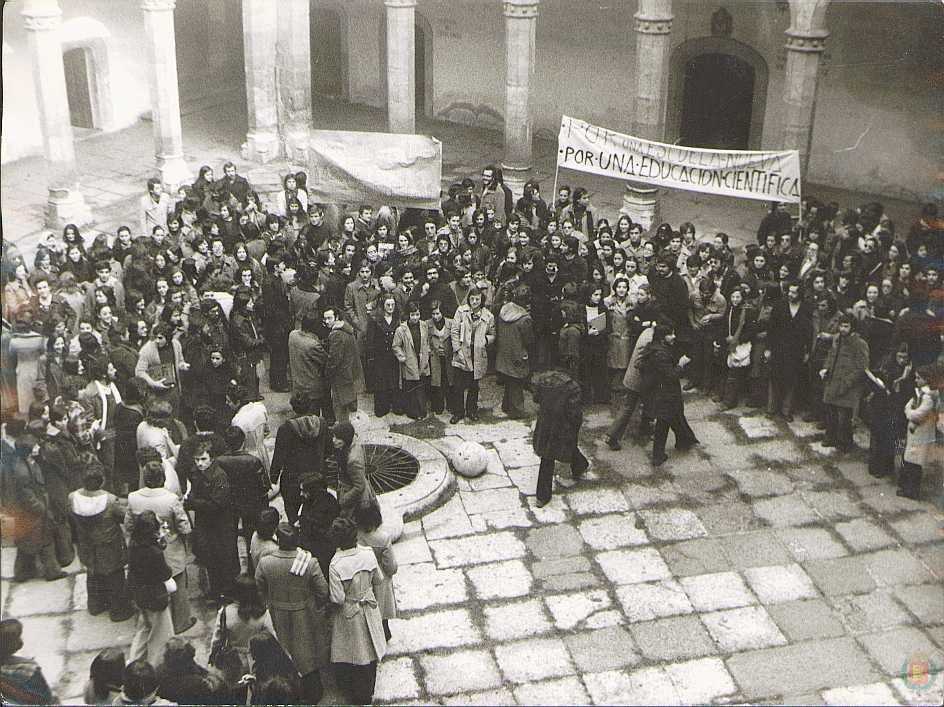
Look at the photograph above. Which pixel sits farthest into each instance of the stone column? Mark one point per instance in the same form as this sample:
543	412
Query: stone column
260	33
520	27
65	203
653	25
293	73
165	100
804	49
401	79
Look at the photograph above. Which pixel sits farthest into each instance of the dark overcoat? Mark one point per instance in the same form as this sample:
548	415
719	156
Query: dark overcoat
558	396
658	365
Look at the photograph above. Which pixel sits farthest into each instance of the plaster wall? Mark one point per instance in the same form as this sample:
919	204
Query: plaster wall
122	30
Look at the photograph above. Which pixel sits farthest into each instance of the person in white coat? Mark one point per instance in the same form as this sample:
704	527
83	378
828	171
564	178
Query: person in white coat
920	443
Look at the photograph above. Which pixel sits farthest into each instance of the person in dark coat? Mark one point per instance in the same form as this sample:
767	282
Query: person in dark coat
128	415
671	294
560	415
249	483
300	446
887	399
22	678
383	368
318	511
150	582
594	374
844	376
308	357
248	346
546	296
276	323
34	527
789	337
97	517
214	533
343	369
514	338
661	366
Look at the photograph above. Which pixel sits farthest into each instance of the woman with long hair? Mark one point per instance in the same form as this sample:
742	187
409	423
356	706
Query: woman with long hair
149	579
237	622
383	369
921	447
268	663
246	339
593	346
290	191
736	345
50	372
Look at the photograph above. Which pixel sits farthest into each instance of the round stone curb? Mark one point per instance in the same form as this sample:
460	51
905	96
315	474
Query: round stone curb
433	482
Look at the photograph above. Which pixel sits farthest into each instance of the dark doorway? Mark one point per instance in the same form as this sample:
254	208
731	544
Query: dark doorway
419	69
327	58
717	103
77	88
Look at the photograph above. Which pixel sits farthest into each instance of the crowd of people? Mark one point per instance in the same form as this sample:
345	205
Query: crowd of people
134	428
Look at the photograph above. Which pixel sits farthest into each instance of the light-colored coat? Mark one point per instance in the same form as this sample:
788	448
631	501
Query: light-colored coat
471	339
355	580
920	443
411	368
297	609
620	347
149	361
379	541
633	377
440	344
170	512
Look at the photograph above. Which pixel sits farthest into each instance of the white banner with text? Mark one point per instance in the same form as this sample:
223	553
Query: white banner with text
770	176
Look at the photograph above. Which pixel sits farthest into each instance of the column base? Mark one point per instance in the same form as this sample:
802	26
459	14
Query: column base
260	147
295	146
641	204
174	172
515	177
66	205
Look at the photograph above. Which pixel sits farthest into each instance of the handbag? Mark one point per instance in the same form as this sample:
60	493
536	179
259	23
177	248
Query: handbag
740	357
219	648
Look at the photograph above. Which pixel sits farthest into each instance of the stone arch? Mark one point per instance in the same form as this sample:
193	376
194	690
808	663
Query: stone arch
92	37
693	48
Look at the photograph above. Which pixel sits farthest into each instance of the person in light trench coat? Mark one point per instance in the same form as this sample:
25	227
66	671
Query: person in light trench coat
357	639
175	521
921	446
414	364
473	331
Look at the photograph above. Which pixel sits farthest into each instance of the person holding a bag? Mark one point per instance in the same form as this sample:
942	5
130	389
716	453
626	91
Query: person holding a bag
149	578
738	323
237	622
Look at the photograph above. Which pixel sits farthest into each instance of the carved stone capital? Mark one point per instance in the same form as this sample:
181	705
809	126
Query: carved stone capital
806	41
521	9
652	25
158	5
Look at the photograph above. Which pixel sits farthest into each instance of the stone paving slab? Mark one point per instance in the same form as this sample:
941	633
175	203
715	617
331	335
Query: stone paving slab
602	649
870	612
646	686
721	590
629	566
534	659
699	556
463	671
566	691
421	586
673	638
743	629
811	544
878	693
780	583
490	547
800	668
433	629
396	681
578	609
653	600
892	649
609	532
807	619
519	619
701	681
500	580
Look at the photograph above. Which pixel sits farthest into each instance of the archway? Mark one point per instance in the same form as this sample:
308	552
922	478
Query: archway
328	59
717	94
716	102
77	88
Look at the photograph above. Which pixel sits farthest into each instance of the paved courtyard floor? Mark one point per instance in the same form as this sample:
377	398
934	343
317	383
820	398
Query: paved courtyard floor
759	567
